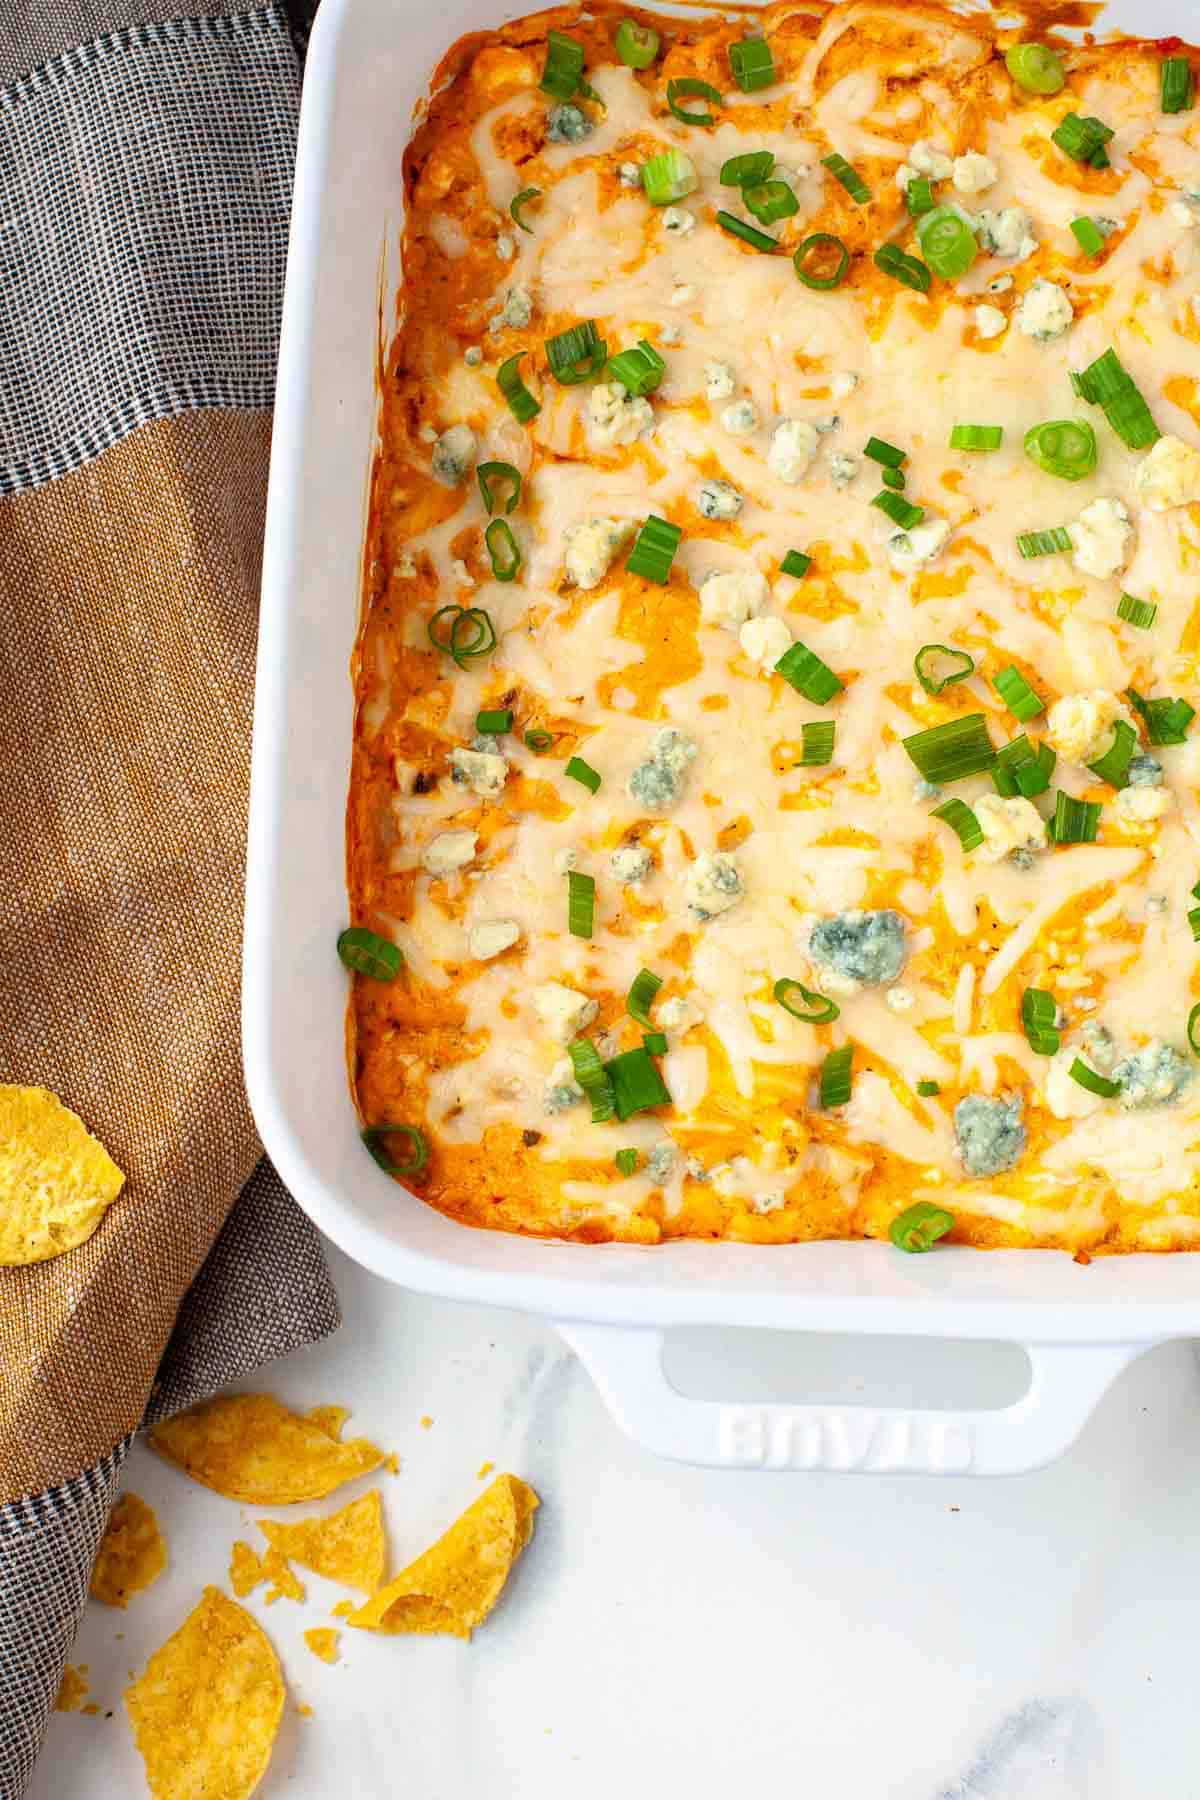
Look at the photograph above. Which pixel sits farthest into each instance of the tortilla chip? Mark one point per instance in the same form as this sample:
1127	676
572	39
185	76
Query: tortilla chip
329	1419
347	1547
455	1584
56	1180
277	1570
132	1553
323	1642
342	1610
249	1447
71	1690
246	1571
207	1709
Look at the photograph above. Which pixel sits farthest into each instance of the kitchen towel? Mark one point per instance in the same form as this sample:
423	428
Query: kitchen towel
145	182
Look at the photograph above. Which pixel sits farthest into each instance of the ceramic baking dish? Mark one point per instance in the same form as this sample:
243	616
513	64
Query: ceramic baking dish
368	65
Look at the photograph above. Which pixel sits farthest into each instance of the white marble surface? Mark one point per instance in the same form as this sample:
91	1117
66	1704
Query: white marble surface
674	1630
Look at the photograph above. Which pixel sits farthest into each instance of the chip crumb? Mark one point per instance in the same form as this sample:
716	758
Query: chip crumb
91	1710
206	1710
349	1546
484	1470
455	1584
246	1570
304	1709
286	1583
250	1447
391	1463
322	1640
426	1421
56	1180
71	1690
132	1554
343	1609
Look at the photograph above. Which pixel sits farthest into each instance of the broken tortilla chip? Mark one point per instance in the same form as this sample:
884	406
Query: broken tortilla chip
453	1587
207	1709
132	1553
285	1584
323	1642
249	1447
347	1547
329	1418
246	1571
56	1180
71	1690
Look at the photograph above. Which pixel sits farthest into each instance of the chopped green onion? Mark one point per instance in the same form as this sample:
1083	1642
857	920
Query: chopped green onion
927	1089
796	563
638	370
976	437
1021	700
1139	613
1106	383
640	998
738	228
636	1083
688	88
848	176
816	742
1044	543
894	478
583	772
769	201
503	550
521	402
488	473
374	1141
947	242
1113	766
1194	921
470	634
519	201
581	904
493	724
752	64
564	65
1166	720
919	1226
950	752
805	1004
1036	68
836	1077
1193	1029
903	268
962	821
1039	1020
1083	140
938	666
1062	447
655	1042
1021	768
539	741
366	953
626	1161
880	451
669	177
748	169
636	45
901	511
918	197
592	1077
1095	1084
1088	236
1177	89
803	669
576	355
1074	821
812	261
654	550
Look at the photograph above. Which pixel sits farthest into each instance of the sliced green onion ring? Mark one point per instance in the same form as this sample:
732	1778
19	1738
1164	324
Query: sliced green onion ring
639	370
503	549
1113	766
817	738
821	261
1106	383
366	953
669	177
564	65
521	402
636	1083
494	724
796	563
1193	1029
752	64
1141	614
848	176
902	512
583	772
738	228
1036	68
962	821
952	751
947	242
1023	768
770	201
748	169
803	669
539	741
894	478
1088	236
687	87
836	1077
918	197
1062	447
1094	1083
641	995
1083	139
654	550
1039	1021
519	202
470	634
909	270
976	437
1166	720
1021	700
1074	821
375	1141
581	904
890	456
804	1003
919	1226
636	45
927	1089
1044	543
1177	87
592	1078
626	1161
488	474
576	355
938	666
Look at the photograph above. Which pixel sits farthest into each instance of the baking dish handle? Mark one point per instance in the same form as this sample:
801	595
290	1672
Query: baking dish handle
626	1365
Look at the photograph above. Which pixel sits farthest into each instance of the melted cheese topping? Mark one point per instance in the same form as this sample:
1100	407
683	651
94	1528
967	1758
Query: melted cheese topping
758	847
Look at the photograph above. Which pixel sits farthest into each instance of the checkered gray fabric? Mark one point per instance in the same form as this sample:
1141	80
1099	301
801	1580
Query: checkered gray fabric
144	192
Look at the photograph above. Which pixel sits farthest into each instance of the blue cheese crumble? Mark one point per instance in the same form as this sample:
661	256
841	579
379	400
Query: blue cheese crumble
1153	1076
657	783
858	949
567	124
990	1133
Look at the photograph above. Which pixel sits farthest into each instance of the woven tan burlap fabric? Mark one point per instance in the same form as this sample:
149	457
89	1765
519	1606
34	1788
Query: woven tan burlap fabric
128	598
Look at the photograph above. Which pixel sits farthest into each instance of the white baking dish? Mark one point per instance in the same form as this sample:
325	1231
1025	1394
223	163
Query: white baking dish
368	65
